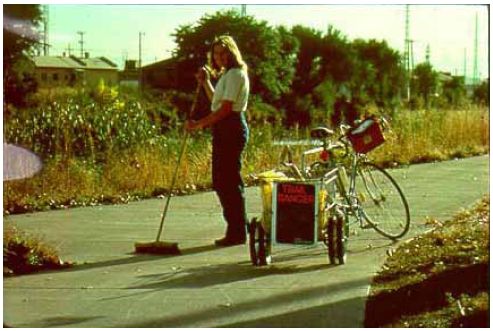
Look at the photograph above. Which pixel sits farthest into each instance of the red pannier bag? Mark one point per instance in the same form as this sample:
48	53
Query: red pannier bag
366	136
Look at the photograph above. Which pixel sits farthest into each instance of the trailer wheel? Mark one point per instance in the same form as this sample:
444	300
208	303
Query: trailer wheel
335	240
341	241
259	243
329	240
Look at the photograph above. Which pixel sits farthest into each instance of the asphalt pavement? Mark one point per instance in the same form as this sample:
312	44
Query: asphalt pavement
207	286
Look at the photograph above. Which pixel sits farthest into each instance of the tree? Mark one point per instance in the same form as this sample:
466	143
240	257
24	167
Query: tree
454	90
308	59
424	82
267	51
481	93
324	62
19	37
379	70
298	102
337	57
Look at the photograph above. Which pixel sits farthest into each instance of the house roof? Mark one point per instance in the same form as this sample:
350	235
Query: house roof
444	76
72	62
171	62
56	62
98	63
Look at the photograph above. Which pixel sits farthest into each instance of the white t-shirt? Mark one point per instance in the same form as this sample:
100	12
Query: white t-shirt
233	86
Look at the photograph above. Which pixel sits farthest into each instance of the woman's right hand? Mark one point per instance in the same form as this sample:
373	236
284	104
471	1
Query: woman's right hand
202	75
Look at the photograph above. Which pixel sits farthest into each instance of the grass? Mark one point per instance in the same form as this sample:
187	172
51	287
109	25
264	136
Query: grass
437	279
23	253
106	145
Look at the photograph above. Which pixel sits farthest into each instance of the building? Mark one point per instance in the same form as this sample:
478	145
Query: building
161	75
168	74
129	76
58	71
99	68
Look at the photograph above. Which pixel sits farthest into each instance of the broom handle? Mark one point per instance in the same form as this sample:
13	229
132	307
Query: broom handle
182	151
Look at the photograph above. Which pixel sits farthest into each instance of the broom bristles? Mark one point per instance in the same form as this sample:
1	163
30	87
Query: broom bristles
157	247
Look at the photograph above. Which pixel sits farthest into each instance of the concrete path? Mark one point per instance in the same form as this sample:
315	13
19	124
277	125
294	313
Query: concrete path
207	286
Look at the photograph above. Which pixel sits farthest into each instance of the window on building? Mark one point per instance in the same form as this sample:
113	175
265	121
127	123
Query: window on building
44	77
55	76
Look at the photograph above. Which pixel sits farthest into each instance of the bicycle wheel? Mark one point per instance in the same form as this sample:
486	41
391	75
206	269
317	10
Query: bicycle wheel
382	202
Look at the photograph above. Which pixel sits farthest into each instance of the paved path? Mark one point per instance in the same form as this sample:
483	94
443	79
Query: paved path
206	286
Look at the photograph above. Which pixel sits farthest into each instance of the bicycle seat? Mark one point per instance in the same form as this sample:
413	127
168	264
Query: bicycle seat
321	132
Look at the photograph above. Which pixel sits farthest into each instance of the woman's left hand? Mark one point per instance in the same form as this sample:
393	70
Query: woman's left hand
192	126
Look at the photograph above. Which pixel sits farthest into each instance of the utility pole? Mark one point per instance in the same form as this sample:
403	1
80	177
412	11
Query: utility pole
124	56
407	60
141	34
46	19
141	81
81	42
243	10
411	56
428	54
475	76
465	66
69	50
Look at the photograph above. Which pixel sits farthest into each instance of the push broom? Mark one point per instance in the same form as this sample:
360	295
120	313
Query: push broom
157	246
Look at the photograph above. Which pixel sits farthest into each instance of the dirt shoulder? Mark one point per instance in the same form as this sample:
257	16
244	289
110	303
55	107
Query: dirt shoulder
437	279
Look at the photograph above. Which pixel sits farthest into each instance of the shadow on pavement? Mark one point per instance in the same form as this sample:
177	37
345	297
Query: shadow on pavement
133	258
345	312
206	276
341	314
62	321
199	249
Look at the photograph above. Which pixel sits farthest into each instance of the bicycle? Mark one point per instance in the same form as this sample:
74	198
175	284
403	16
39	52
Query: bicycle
369	194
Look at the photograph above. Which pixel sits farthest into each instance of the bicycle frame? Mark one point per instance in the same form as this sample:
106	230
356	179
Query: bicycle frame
345	184
349	202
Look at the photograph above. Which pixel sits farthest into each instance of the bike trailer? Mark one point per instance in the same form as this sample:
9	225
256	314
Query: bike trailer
293	211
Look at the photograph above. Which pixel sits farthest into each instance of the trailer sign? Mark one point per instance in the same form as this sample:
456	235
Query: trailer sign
295	194
295	213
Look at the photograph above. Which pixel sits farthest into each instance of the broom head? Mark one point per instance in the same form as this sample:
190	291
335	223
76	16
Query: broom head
157	247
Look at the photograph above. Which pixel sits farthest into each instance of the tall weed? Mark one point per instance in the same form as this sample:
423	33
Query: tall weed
430	135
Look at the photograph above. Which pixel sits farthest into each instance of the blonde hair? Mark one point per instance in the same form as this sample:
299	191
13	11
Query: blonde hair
236	60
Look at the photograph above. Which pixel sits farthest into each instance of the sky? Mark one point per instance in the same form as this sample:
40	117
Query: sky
113	30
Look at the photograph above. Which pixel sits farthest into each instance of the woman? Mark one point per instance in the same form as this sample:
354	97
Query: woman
229	100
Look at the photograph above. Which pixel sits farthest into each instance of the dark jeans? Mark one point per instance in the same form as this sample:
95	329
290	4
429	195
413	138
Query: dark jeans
229	138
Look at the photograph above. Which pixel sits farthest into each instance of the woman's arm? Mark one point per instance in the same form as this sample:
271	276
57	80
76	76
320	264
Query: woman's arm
204	78
208	88
212	118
